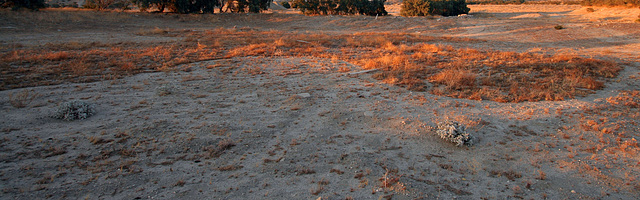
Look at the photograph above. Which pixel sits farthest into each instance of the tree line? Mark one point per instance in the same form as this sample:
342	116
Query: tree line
308	7
177	6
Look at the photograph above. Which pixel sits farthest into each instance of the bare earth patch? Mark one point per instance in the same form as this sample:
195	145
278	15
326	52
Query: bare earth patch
277	105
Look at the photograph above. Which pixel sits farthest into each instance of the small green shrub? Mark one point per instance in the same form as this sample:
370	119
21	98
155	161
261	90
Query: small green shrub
73	110
558	27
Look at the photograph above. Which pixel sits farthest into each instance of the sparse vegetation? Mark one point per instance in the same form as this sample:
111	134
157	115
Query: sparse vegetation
212	151
541	175
166	89
509	174
391	182
74	110
230	167
304	171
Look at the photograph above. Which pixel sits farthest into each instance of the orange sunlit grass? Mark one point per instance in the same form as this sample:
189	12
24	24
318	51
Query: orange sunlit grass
411	60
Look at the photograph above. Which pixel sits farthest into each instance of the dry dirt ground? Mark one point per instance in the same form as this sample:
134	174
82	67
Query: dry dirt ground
303	128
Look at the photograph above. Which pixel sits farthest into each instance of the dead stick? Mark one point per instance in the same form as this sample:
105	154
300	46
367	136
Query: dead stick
362	72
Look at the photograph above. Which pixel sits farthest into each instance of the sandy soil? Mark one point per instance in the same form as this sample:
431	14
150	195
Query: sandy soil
303	128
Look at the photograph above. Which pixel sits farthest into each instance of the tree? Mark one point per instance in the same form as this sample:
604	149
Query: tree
98	4
375	7
30	4
205	6
286	5
341	7
434	7
144	5
415	8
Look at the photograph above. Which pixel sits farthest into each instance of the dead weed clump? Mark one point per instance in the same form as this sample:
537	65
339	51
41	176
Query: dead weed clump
212	151
22	99
392	182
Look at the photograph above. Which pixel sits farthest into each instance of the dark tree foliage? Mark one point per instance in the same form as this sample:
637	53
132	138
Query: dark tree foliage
434	7
286	5
144	5
107	4
30	4
415	8
374	7
254	6
628	3
194	6
341	7
205	6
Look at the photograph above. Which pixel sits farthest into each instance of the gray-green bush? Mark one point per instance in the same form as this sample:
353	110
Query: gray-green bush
452	131
73	110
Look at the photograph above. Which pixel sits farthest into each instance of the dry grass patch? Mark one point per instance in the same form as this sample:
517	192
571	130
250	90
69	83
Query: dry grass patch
404	59
502	76
607	139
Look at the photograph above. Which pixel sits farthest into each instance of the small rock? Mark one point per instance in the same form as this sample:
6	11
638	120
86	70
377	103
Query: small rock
368	113
304	95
